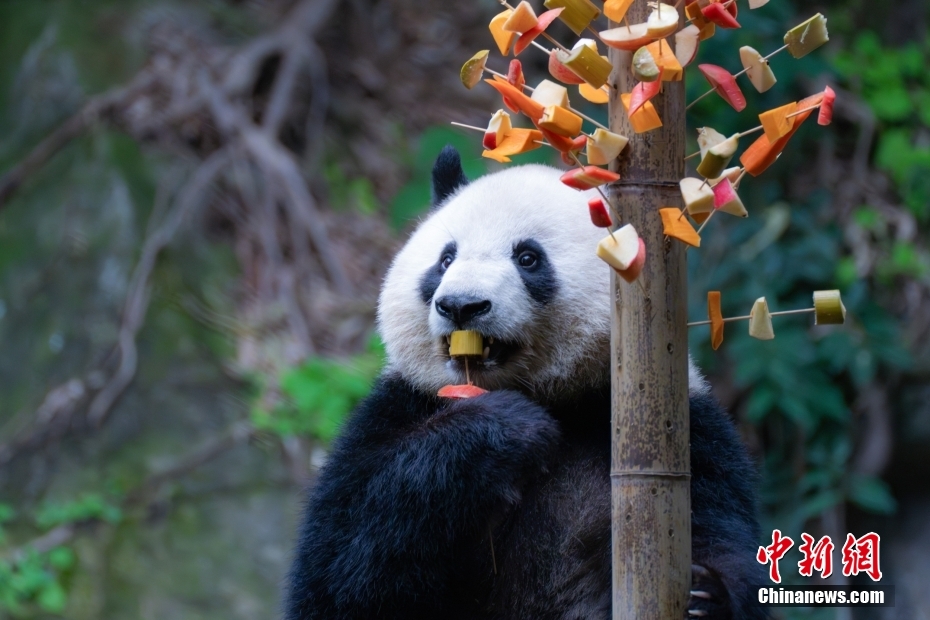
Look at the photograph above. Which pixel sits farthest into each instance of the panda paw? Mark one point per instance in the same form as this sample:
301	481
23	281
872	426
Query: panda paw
709	599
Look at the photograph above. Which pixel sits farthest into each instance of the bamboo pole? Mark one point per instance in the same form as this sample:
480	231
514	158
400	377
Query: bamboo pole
650	457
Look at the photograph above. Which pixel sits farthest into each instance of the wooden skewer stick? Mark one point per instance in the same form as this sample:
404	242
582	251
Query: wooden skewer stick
736	75
473	128
747	317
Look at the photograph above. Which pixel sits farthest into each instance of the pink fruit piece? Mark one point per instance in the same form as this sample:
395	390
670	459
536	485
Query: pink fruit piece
725	84
599	215
826	107
588	177
530	35
461	391
714	12
636	267
560	72
643	92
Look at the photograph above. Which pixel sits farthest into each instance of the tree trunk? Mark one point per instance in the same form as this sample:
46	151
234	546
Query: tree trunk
650	479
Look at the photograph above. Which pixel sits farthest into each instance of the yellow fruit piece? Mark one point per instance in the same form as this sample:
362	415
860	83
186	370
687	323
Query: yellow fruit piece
519	140
558	120
776	122
577	14
697	195
504	39
522	19
645	119
693	12
678	227
590	66
594	95
549	93
602	147
829	308
665	59
466	342
716	319
473	69
619	249
760	321
615	10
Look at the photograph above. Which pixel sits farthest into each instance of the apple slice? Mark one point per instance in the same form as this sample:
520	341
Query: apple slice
629	38
530	35
522	19
461	391
503	38
645	119
716	319
829	308
598	212
717	14
615	10
498	129
687	41
707	138
588	177
697	195
514	78
663	21
619	249
673	225
577	14
594	95
645	68
807	36
473	69
727	200
733	174
755	4
643	92
636	267
559	71
778	122
587	63
549	93
760	321
604	146
725	84
561	121
757	69
826	107
718	158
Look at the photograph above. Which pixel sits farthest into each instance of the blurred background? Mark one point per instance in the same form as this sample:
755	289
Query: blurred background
198	200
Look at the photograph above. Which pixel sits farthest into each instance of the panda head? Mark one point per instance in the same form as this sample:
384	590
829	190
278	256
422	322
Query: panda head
510	255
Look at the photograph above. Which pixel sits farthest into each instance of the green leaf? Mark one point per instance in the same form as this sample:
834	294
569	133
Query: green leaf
872	494
61	558
52	598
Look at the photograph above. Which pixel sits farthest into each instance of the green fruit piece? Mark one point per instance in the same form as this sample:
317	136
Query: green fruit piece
577	14
473	69
829	308
645	68
718	157
807	36
590	66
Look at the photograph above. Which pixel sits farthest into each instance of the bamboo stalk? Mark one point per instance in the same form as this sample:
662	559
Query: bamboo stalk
650	455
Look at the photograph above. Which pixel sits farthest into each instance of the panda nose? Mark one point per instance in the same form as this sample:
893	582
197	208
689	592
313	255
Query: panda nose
460	309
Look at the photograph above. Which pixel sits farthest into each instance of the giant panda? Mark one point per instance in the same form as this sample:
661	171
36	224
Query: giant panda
498	506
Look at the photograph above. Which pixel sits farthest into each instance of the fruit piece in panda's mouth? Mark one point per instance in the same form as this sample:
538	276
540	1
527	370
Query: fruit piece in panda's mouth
475	347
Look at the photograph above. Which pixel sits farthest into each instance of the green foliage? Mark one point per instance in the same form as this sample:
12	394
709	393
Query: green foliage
88	506
320	393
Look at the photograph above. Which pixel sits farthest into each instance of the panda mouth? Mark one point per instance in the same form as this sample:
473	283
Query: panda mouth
496	352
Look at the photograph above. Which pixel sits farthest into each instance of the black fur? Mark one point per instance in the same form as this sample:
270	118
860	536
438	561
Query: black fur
431	279
539	279
401	522
448	175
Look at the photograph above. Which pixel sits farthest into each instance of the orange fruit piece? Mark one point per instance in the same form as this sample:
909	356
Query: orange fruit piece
716	319
679	227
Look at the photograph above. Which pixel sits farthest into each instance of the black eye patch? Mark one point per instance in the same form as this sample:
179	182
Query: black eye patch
537	272
430	280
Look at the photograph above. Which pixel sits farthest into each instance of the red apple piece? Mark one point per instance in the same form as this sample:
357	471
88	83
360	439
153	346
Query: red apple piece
588	177
461	391
643	92
725	84
599	215
826	107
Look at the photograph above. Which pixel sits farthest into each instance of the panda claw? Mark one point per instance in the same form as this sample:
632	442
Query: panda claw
700	594
697	613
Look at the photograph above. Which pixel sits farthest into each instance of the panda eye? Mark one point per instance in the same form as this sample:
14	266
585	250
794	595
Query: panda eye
528	259
445	261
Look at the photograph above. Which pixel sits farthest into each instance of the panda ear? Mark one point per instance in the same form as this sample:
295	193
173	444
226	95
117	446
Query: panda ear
448	175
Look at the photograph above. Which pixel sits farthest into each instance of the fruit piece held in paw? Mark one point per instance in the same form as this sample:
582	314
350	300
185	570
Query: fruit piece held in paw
678	227
636	267
829	308
727	200
760	321
466	342
473	69
522	19
779	121
588	177
725	84
826	107
757	68
604	146
645	119
619	249
503	38
807	36
718	158
461	391
716	319
559	120
498	128
598	211
577	14
698	196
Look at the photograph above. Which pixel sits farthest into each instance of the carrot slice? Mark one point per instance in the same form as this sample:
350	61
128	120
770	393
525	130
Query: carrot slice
716	319
678	227
762	153
461	391
531	108
776	122
519	140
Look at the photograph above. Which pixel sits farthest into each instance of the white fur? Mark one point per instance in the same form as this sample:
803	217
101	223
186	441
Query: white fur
564	344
